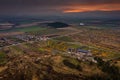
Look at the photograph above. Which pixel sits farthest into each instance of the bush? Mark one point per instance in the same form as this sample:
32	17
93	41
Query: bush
111	70
71	65
2	58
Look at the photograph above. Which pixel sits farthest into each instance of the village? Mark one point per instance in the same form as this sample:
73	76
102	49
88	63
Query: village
27	38
78	53
17	39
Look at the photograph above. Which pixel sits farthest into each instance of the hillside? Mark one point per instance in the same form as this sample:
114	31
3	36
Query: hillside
67	53
57	25
41	62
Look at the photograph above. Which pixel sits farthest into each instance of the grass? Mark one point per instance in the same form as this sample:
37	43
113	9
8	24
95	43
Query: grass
16	48
60	63
41	50
45	31
29	29
64	38
73	60
2	55
2	58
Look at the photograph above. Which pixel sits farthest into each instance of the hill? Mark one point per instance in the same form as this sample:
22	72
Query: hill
46	61
57	25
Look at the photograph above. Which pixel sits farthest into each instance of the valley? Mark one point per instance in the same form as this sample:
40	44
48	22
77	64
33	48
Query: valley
73	52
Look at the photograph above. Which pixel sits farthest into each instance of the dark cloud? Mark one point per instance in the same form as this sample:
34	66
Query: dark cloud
56	2
43	6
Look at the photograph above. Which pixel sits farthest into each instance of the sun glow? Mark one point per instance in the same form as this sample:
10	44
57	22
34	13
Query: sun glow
80	8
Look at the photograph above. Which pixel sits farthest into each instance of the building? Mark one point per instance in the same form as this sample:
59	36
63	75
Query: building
80	54
82	24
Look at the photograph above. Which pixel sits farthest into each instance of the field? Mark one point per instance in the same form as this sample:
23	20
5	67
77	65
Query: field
46	60
50	59
26	29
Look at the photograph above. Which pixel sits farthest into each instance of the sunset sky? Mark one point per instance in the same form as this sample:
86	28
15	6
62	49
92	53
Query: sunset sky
36	7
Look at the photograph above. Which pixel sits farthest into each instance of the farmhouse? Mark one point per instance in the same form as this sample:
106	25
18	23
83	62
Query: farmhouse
82	24
79	51
84	55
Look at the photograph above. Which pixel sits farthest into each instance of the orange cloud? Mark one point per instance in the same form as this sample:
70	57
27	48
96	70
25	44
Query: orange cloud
83	8
71	11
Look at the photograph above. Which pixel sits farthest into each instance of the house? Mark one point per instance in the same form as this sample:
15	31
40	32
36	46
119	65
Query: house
82	24
84	52
80	54
79	51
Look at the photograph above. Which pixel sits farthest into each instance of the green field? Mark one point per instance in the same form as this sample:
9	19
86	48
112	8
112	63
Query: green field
25	29
28	29
64	38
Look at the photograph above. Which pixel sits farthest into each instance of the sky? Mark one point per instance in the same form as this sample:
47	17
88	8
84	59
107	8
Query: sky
38	7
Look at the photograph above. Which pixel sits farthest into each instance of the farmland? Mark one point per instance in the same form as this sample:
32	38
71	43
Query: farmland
36	52
48	57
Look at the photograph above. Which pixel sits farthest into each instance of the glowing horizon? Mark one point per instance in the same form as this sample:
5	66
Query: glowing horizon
86	8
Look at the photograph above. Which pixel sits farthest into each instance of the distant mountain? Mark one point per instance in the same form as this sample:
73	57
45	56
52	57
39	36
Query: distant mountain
57	25
95	15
